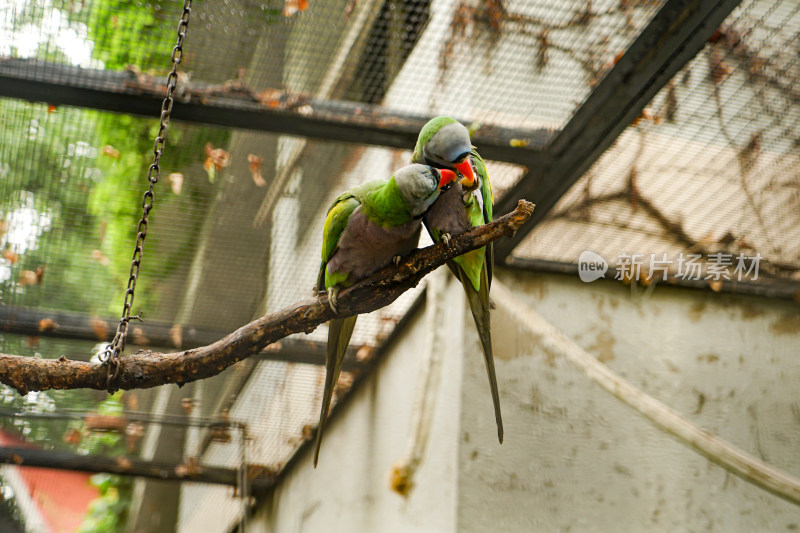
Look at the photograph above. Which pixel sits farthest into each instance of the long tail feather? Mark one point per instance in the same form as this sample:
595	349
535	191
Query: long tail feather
339	332
479	305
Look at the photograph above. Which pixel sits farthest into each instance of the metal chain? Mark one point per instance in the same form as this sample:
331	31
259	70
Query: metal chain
110	356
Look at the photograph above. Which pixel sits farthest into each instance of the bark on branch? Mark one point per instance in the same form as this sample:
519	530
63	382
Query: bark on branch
149	369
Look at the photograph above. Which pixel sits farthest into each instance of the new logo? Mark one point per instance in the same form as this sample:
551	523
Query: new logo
591	266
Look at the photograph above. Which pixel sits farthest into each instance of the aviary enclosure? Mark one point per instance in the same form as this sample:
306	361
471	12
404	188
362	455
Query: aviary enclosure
659	140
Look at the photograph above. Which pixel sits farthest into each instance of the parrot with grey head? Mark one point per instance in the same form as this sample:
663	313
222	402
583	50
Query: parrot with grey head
444	143
366	228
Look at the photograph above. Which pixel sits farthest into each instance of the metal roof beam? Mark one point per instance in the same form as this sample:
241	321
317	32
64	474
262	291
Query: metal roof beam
233	105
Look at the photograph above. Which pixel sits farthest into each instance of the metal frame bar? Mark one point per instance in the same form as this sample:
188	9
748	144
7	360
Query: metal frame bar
767	287
338	121
128	416
129	466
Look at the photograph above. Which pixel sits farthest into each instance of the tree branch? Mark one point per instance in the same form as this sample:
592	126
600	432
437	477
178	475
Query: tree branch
149	369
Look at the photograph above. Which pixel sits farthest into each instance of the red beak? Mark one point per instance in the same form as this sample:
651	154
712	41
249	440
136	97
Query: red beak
447	177
465	169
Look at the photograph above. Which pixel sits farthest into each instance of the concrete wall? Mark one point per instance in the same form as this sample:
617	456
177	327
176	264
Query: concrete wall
349	491
574	458
577	459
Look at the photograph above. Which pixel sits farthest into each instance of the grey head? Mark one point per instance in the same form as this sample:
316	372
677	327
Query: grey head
450	145
420	185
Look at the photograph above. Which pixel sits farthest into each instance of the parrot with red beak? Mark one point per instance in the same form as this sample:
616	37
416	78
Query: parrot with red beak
368	227
444	143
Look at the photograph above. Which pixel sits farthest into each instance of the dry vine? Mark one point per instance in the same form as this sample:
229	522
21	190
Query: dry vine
485	22
731	51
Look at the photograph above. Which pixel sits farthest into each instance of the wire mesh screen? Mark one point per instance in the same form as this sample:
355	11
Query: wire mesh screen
235	233
518	64
67	493
237	224
72	192
231	238
709	168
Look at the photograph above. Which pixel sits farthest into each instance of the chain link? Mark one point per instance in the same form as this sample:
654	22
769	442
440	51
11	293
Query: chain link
110	356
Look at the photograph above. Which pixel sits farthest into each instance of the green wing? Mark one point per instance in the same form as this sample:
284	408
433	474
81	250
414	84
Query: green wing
479	301
488	207
486	185
338	215
475	261
339	330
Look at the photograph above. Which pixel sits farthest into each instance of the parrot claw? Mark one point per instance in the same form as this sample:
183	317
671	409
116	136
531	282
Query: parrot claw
333	299
396	259
446	237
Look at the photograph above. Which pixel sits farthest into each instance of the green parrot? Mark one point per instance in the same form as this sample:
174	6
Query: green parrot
366	228
444	143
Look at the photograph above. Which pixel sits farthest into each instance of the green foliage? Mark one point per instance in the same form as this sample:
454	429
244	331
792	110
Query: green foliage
54	163
49	171
103	442
116	200
108	512
133	32
10	513
57	164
